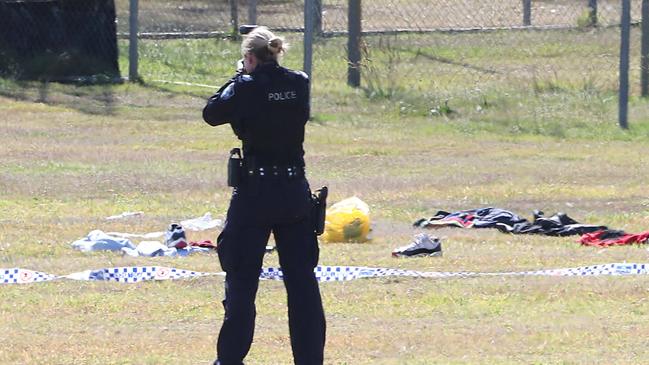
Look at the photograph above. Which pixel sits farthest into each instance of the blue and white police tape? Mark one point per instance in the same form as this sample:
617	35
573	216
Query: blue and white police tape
136	274
22	276
131	274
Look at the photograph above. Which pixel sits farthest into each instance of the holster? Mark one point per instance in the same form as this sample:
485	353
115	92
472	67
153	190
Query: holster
235	168
319	198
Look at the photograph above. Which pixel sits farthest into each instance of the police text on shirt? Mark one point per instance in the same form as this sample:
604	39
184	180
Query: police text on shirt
282	95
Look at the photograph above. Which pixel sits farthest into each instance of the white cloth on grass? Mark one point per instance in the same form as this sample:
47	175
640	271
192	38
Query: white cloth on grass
195	224
201	223
148	236
97	240
125	215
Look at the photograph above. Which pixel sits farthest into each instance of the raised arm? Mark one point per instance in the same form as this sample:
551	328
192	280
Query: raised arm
221	106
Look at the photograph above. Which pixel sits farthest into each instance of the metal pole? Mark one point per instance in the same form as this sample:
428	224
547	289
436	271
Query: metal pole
234	18
527	12
644	57
354	44
308	36
132	42
252	11
624	64
592	12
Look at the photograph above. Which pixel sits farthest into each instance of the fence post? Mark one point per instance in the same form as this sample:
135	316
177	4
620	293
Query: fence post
132	42
644	57
624	64
252	11
592	13
308	37
527	12
354	44
234	18
318	17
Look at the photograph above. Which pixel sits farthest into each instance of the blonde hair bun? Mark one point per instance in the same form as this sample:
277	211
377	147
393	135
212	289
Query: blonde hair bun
276	45
263	44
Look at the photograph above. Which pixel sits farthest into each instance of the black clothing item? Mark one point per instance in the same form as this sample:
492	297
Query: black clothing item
557	225
268	110
472	218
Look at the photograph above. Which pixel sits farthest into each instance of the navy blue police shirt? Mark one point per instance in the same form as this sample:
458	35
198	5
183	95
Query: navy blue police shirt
267	110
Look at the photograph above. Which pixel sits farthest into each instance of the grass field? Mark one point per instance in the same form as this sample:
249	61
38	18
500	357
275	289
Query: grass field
72	155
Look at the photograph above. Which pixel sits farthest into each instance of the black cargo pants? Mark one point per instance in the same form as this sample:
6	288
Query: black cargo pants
282	206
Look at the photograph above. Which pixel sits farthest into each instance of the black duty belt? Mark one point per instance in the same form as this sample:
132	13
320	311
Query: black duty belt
290	172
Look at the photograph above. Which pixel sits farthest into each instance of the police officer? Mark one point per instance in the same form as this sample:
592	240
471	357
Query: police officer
267	107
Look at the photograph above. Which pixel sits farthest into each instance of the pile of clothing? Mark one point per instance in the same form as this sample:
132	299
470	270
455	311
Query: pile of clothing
174	240
559	224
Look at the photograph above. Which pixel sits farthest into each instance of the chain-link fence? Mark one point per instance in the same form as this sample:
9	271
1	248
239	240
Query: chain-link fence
187	19
432	56
204	16
195	18
435	15
436	53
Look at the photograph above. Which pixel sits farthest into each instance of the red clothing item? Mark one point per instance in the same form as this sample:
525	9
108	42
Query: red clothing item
605	238
204	244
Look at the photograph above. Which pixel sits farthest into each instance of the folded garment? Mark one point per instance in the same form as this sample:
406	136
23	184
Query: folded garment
153	248
97	241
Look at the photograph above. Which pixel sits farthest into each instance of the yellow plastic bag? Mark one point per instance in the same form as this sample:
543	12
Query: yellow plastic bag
347	221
